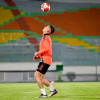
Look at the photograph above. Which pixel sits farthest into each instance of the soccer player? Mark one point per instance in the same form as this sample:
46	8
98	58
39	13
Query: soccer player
45	54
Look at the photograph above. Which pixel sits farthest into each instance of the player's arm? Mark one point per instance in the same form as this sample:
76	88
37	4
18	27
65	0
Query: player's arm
45	49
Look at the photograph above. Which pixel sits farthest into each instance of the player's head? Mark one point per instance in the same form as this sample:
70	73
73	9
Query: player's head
48	29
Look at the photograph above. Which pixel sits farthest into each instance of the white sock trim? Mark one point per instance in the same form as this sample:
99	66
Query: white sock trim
51	88
43	91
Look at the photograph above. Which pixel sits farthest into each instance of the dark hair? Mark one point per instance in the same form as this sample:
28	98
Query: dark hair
52	29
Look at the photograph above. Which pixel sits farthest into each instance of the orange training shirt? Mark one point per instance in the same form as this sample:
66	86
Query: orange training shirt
45	49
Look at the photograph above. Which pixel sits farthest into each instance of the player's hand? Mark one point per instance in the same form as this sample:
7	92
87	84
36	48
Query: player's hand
35	54
36	57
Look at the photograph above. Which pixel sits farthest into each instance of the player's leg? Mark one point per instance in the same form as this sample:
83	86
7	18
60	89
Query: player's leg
46	83
40	84
39	76
40	71
52	89
38	79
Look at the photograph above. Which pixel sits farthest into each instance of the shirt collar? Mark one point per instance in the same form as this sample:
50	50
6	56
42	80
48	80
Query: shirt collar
45	34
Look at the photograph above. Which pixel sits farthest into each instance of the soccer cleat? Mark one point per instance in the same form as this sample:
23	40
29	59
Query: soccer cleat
43	96
53	93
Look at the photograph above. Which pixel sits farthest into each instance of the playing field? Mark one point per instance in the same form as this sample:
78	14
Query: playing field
67	91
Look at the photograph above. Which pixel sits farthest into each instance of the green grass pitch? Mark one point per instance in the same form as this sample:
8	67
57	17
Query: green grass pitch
66	91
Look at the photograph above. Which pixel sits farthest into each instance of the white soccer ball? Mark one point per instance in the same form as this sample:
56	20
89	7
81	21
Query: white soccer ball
45	7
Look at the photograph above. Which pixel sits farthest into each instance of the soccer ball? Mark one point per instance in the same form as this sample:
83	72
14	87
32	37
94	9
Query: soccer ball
45	7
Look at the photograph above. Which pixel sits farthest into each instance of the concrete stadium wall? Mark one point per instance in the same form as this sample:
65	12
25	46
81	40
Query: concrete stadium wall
24	76
81	73
81	69
24	66
24	72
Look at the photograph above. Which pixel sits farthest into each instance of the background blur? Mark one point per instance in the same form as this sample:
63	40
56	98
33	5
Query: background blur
76	42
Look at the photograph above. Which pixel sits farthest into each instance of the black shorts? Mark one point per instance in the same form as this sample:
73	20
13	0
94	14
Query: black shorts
43	67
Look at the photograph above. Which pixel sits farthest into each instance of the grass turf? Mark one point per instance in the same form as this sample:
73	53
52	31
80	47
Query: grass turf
67	91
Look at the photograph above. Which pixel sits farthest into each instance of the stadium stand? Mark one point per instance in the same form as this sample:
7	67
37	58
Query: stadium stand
34	6
76	42
7	37
77	26
80	23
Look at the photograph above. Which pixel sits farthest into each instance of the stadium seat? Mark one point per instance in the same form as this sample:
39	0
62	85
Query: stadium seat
6	37
5	15
73	22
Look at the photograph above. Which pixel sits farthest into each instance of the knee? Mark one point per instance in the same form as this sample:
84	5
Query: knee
41	77
36	75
